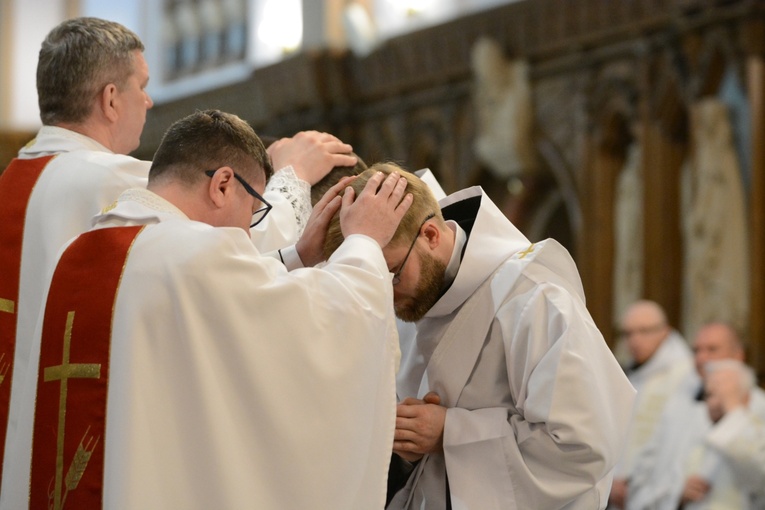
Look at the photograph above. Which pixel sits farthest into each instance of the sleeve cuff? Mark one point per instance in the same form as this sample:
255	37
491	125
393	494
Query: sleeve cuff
289	257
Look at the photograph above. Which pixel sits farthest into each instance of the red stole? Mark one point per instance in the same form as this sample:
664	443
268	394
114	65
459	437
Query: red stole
16	184
70	411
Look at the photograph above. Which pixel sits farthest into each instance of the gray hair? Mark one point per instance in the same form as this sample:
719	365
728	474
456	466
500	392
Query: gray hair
746	377
77	60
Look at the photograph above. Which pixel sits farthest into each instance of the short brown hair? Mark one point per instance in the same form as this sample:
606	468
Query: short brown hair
207	140
333	177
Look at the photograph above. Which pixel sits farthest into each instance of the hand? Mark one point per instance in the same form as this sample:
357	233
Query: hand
618	496
695	489
724	392
419	427
312	154
310	246
377	210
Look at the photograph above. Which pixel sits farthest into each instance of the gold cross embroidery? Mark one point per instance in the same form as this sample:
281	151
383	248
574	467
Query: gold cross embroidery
526	251
7	306
4	368
63	373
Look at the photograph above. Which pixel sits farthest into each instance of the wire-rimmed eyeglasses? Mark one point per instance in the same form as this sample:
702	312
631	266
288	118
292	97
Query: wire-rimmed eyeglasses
257	216
397	274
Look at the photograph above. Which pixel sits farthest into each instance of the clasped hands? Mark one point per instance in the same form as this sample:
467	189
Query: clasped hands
419	427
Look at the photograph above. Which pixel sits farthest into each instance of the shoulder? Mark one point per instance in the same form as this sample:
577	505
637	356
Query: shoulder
758	402
99	165
544	268
91	169
197	237
197	251
104	159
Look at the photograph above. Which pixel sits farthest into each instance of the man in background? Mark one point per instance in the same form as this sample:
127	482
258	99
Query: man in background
709	447
662	363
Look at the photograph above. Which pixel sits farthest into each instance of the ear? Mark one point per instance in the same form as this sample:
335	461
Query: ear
108	100
432	233
221	186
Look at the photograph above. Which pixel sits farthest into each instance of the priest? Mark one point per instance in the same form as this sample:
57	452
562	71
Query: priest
179	368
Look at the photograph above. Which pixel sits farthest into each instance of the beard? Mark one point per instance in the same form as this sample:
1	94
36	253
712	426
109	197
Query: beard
427	292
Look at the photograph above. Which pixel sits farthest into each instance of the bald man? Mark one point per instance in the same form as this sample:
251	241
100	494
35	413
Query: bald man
709	447
662	363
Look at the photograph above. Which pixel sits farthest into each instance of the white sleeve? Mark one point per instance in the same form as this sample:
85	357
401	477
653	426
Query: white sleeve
562	432
290	198
740	438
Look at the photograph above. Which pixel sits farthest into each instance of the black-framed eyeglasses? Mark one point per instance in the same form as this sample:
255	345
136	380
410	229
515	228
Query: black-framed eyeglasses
397	274
261	213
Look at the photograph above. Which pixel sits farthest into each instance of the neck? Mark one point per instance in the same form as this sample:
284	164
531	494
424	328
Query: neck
180	197
88	129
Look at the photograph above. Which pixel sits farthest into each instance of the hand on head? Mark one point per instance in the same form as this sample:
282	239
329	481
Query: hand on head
312	154
378	209
310	246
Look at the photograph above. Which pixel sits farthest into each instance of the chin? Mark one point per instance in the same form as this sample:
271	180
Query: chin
413	309
408	315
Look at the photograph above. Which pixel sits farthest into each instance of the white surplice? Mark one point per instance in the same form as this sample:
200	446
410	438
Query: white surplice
290	198
669	370
234	383
537	406
730	454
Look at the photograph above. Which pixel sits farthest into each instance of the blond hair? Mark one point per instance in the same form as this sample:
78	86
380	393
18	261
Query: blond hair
424	204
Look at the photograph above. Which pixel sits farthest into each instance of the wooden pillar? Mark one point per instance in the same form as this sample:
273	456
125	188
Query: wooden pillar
661	115
756	88
663	244
605	158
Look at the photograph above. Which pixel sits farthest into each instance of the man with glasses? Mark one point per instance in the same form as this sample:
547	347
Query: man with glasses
661	364
180	368
509	398
263	207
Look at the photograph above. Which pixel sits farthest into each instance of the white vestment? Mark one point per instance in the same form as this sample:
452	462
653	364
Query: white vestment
235	384
669	370
82	179
730	454
537	406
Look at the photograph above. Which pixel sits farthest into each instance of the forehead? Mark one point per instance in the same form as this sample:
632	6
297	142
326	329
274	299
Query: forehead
713	338
642	315
140	67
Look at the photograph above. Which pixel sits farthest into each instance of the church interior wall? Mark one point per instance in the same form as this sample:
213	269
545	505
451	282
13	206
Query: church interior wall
613	86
